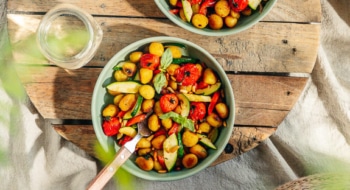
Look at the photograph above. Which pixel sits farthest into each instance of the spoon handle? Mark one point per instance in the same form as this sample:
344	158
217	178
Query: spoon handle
109	170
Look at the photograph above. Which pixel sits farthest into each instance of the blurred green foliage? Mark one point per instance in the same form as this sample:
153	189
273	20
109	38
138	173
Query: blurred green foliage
123	179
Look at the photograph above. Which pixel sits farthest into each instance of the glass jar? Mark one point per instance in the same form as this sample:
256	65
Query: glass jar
68	36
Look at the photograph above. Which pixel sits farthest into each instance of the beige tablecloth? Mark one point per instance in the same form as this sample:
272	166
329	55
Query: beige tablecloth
314	138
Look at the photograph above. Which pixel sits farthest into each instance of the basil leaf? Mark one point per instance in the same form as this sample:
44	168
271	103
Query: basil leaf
169	115
183	121
159	82
166	59
116	68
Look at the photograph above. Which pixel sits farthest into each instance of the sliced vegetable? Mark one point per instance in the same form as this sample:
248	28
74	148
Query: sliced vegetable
124	87
213	102
198	98
253	4
174	129
161	160
209	89
213	134
135	120
137	106
186	5
184	105
129	131
170	157
181	150
124	140
174	44
185	60
206	141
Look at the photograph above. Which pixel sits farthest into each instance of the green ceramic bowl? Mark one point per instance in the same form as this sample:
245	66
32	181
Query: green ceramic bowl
244	23
100	98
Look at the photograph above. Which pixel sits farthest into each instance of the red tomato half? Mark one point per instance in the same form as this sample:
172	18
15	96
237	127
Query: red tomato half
238	5
187	74
197	111
111	126
168	102
149	61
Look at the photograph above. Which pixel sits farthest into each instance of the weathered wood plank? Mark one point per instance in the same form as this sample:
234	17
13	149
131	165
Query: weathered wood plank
266	47
242	140
284	10
62	94
81	135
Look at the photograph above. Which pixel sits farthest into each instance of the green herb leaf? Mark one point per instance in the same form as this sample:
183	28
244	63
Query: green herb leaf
183	121
116	68
166	59
159	82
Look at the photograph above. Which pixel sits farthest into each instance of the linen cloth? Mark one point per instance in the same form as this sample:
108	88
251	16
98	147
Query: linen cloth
314	137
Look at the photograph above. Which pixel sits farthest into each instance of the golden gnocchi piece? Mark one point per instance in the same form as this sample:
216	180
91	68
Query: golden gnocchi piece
127	102
110	110
189	160
199	151
189	138
146	164
153	122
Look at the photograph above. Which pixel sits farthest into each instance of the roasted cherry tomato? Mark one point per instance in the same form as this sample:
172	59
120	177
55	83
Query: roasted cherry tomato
149	61
197	111
203	9
202	85
111	126
238	5
168	102
187	74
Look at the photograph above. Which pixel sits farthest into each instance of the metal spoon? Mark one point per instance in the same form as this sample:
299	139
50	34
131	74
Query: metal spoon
121	156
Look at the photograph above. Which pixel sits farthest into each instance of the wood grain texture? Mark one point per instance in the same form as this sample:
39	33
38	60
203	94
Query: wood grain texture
285	41
242	140
284	10
64	94
81	135
266	47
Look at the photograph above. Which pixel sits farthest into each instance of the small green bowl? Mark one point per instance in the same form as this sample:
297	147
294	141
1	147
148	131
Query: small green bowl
243	24
100	98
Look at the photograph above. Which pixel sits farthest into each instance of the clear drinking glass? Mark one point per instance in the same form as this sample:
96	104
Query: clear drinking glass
68	36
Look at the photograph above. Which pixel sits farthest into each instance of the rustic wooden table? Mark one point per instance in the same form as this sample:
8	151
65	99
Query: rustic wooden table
268	64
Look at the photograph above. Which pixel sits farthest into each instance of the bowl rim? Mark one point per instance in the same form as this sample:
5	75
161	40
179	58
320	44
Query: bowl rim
95	109
210	32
